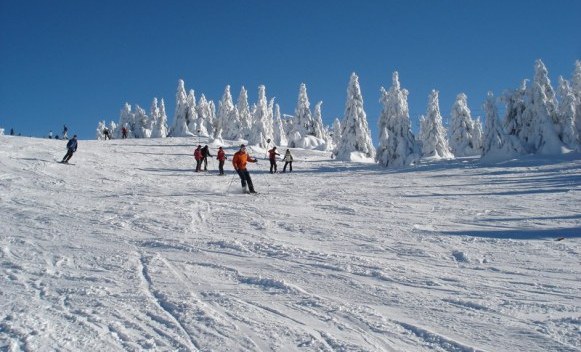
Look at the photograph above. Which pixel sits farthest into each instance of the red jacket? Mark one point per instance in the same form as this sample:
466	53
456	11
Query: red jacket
272	154
240	159
198	154
221	155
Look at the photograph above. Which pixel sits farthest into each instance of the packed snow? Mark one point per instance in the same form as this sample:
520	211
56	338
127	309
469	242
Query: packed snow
129	249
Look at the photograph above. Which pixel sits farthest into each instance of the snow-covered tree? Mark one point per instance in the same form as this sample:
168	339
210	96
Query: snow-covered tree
567	110
355	136
160	128
181	119
336	132
203	114
576	88
397	145
259	133
462	135
318	127
279	132
515	123
244	113
432	131
541	114
497	145
141	119
229	117
127	120
303	120
100	128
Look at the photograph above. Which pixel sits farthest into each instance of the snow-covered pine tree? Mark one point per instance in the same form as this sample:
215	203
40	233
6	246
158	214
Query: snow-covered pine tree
153	115
302	120
160	129
497	145
228	117
244	113
139	128
397	145
433	133
180	123
318	127
576	88
567	110
336	133
127	120
203	113
259	133
515	122
100	128
477	135
541	111
279	132
192	113
462	135
356	140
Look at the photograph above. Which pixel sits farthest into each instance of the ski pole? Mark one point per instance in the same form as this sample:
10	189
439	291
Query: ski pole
229	184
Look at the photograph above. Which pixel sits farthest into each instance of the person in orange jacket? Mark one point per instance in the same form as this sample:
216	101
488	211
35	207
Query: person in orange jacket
221	156
272	157
199	157
239	161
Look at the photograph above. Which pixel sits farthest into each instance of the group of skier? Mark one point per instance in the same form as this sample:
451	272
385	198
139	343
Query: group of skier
239	161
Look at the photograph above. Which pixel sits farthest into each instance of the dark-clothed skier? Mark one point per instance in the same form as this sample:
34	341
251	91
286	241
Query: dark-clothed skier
239	161
221	158
272	157
205	155
71	149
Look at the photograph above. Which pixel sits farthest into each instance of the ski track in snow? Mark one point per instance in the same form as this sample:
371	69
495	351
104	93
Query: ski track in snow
130	250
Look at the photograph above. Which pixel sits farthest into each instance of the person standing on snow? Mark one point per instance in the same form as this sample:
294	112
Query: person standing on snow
65	131
288	160
71	149
272	157
198	156
221	158
205	155
239	161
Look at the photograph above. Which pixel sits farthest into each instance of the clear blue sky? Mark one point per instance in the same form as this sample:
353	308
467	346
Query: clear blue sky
78	61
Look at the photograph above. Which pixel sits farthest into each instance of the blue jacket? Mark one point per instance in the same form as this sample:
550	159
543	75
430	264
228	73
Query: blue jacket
72	145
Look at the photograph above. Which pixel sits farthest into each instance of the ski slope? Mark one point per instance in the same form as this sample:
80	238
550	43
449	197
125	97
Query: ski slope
130	250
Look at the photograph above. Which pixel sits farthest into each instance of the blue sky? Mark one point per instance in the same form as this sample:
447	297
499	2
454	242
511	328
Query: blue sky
78	61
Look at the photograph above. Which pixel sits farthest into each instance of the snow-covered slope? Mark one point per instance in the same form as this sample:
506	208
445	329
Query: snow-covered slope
129	249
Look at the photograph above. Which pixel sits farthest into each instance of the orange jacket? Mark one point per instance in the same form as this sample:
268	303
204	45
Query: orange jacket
240	159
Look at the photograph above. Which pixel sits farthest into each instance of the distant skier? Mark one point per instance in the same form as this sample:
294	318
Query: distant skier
50	134
205	155
65	131
239	161
71	149
198	156
106	133
288	160
221	158
124	132
272	157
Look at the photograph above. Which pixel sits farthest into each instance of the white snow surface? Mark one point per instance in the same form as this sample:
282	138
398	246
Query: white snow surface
130	250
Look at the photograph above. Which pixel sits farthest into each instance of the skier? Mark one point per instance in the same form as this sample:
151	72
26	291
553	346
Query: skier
205	155
106	133
272	157
124	132
198	156
50	134
288	160
65	131
221	158
71	149
239	161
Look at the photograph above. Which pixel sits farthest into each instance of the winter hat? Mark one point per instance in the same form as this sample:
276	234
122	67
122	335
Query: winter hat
242	146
